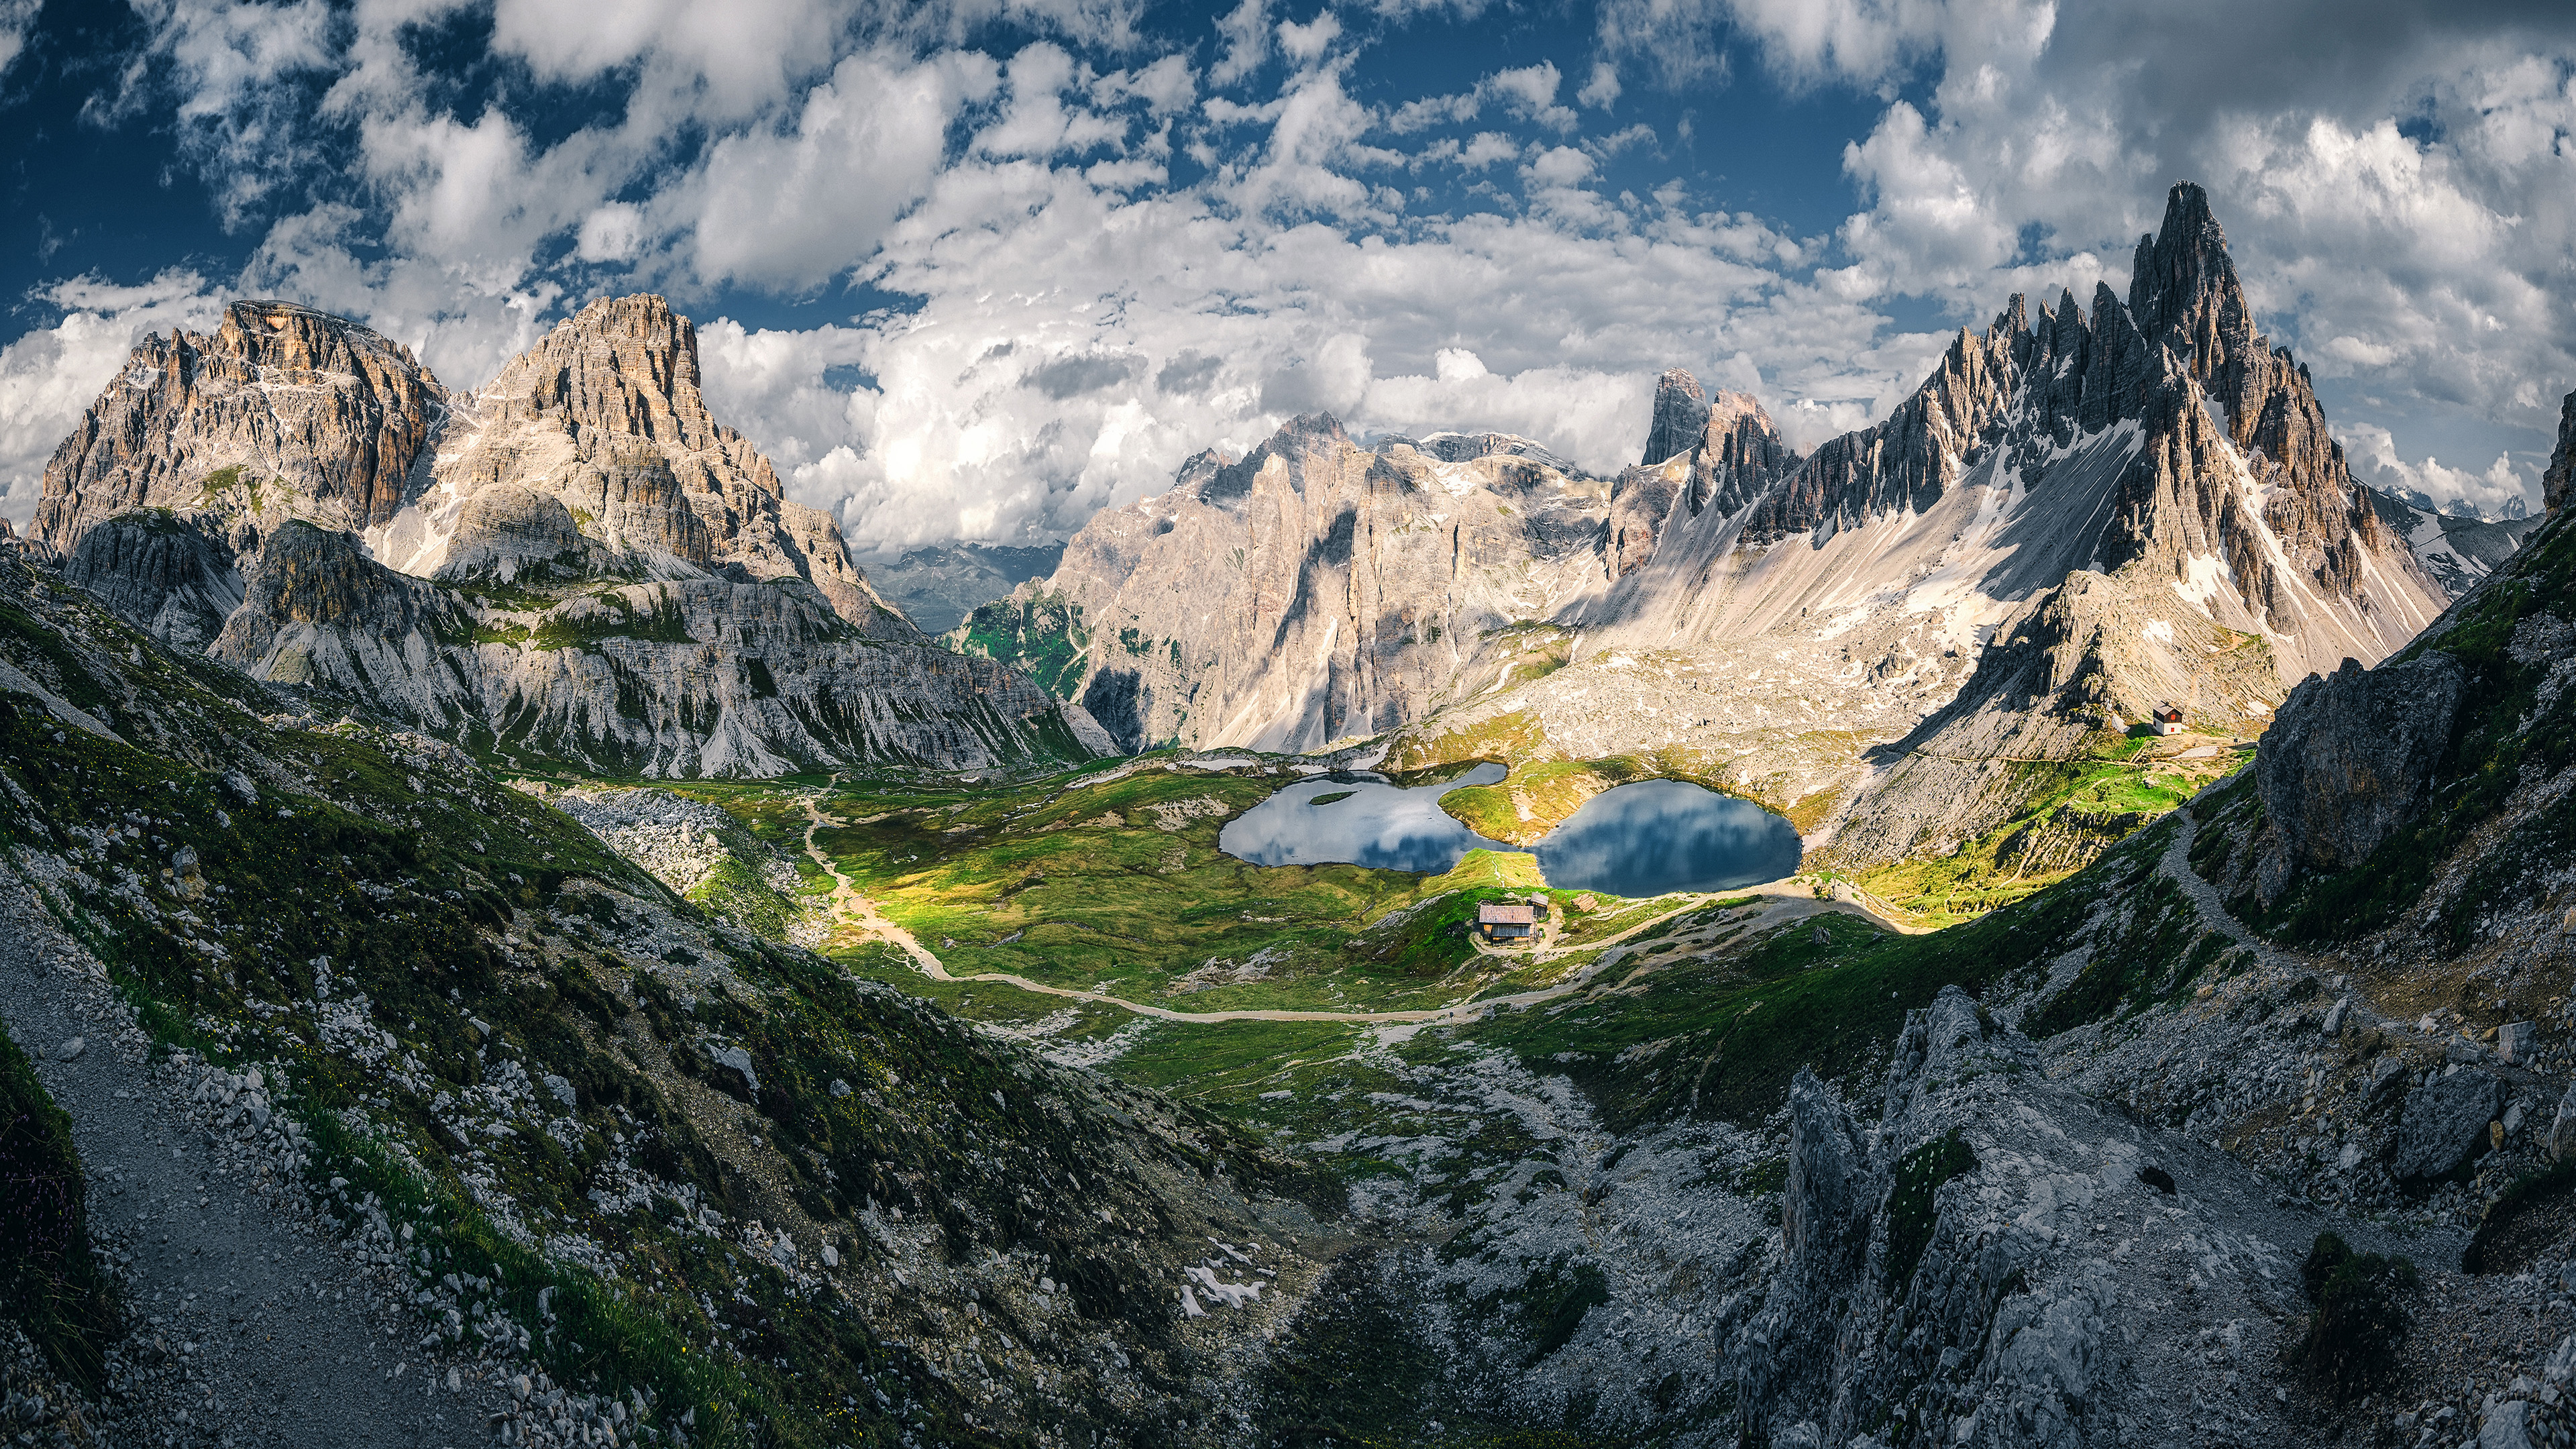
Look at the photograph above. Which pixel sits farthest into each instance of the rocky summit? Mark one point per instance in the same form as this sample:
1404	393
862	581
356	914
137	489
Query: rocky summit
514	939
575	562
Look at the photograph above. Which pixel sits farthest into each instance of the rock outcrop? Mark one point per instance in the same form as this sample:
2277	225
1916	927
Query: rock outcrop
2558	484
162	573
575	562
2444	1124
1998	1265
2353	755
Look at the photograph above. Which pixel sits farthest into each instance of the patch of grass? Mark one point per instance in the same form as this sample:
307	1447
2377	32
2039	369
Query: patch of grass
737	893
51	1285
2361	1318
612	615
2071	813
1720	1036
1044	635
1513	735
2521	1220
1919	1176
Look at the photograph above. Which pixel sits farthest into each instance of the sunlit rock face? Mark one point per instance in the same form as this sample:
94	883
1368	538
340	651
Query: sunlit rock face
576	561
1311	591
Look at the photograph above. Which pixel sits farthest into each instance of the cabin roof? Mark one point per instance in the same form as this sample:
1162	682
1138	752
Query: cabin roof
1504	915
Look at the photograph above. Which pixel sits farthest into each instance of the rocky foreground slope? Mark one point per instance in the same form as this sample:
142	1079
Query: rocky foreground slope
593	1164
575	562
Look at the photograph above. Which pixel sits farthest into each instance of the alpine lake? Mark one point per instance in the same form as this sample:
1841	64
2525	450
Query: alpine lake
1649	838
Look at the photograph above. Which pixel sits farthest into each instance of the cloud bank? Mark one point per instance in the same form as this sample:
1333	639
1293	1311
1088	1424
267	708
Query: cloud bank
1062	249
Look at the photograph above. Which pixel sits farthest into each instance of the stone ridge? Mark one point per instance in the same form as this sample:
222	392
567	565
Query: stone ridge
1312	591
341	415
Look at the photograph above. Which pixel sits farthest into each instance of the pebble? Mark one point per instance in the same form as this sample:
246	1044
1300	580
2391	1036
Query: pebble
70	1051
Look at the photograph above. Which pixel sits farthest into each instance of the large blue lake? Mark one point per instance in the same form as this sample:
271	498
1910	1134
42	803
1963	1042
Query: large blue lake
1637	840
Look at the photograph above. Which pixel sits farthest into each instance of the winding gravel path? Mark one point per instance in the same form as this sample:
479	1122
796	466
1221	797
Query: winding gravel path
263	1329
2204	897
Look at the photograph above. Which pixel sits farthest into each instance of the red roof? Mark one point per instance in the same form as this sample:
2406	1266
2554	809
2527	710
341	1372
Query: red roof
1505	916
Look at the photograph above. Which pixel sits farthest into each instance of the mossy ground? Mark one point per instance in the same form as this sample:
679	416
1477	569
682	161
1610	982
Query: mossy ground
2071	813
50	1284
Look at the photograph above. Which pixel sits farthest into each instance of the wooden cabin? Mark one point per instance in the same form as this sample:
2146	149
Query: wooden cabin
1506	921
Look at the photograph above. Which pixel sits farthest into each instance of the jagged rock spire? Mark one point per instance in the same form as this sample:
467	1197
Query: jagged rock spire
1681	417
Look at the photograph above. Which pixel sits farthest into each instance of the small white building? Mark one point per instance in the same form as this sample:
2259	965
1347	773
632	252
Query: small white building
2168	720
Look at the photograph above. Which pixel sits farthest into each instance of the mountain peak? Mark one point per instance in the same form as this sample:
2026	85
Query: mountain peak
1681	415
279	400
2183	294
619	365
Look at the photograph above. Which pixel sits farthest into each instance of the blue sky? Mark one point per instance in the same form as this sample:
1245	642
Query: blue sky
977	270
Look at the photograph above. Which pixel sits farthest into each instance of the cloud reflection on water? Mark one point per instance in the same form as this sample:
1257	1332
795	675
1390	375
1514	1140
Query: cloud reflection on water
1637	840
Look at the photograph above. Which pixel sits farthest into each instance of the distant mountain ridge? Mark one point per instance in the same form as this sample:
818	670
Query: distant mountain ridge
574	562
2081	515
937	587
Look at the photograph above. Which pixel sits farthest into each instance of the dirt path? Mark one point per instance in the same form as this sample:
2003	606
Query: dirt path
2176	866
859	911
249	1324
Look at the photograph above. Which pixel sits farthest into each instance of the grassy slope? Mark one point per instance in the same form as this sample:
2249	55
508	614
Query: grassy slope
445	904
2072	812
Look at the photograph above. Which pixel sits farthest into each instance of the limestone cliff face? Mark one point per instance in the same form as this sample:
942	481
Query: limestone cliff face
604	416
1702	452
279	401
1314	590
160	572
576	562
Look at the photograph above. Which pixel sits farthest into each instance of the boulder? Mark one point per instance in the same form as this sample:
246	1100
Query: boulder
2351	755
2508	1426
2444	1124
2515	1041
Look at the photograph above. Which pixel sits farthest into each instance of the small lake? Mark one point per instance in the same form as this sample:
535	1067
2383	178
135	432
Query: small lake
1637	840
1666	835
1358	820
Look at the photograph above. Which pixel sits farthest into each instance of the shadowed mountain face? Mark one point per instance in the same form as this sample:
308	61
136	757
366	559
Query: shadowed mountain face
2082	515
575	562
